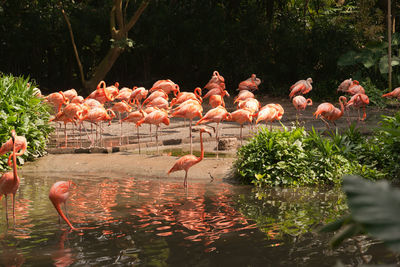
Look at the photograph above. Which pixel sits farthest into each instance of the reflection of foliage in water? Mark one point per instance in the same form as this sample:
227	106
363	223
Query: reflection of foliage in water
293	211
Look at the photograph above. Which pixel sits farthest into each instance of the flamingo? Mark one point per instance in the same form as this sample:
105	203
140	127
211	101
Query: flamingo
215	91
189	109
62	117
218	100
58	195
70	94
77	99
329	112
249	84
156	117
187	161
393	94
359	101
183	96
20	145
121	107
216	115
167	86
269	113
102	93
301	87
138	93
250	104
98	114
243	95
355	88
124	94
154	95
216	79
159	102
134	117
344	86
9	181
241	116
300	103
57	99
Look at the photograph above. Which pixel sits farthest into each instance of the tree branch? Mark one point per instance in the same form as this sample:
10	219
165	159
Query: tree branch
136	16
74	46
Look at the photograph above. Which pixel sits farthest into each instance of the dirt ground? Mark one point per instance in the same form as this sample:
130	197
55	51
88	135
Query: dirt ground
113	160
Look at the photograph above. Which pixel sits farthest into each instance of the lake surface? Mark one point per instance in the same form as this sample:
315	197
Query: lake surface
130	221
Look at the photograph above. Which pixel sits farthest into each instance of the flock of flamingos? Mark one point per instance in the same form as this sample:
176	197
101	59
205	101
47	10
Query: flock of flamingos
154	109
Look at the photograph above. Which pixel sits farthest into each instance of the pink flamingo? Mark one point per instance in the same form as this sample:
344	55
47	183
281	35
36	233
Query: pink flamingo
301	87
167	86
359	101
121	107
70	94
355	88
249	84
9	181
134	117
269	113
216	80
243	95
57	100
189	109
393	94
102	93
300	103
242	116
156	117
218	100
344	86
183	96
58	195
155	94
138	93
216	115
329	112
124	94
187	161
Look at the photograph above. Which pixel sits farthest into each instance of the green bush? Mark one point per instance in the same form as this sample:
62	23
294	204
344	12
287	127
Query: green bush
22	111
296	157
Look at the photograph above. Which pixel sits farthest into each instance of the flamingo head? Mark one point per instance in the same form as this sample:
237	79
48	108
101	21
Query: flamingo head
13	134
204	130
309	80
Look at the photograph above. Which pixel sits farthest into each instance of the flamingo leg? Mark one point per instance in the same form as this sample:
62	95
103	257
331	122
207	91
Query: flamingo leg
217	137
191	136
138	137
120	128
13	200
5	200
151	137
185	181
65	134
157	139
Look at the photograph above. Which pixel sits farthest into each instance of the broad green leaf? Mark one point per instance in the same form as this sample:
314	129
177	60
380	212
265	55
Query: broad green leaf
384	66
348	59
376	206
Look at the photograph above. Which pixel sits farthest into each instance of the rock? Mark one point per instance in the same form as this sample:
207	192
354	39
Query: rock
171	142
227	143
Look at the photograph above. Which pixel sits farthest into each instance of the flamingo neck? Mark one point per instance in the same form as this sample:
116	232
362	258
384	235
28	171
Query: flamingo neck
58	208
14	157
341	107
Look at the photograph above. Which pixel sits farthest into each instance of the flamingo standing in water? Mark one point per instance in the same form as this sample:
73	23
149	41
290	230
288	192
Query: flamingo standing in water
187	161
9	181
329	112
58	195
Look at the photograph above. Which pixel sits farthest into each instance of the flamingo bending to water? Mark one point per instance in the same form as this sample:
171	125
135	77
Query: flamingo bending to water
187	161
58	195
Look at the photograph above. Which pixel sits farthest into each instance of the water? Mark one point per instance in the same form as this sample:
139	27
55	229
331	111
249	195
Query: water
130	221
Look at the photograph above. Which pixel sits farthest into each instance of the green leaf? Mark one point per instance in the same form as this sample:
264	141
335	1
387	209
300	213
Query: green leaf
376	206
348	59
384	66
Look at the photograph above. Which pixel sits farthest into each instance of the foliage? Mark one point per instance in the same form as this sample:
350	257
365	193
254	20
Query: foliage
22	111
295	157
374	94
373	209
371	62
